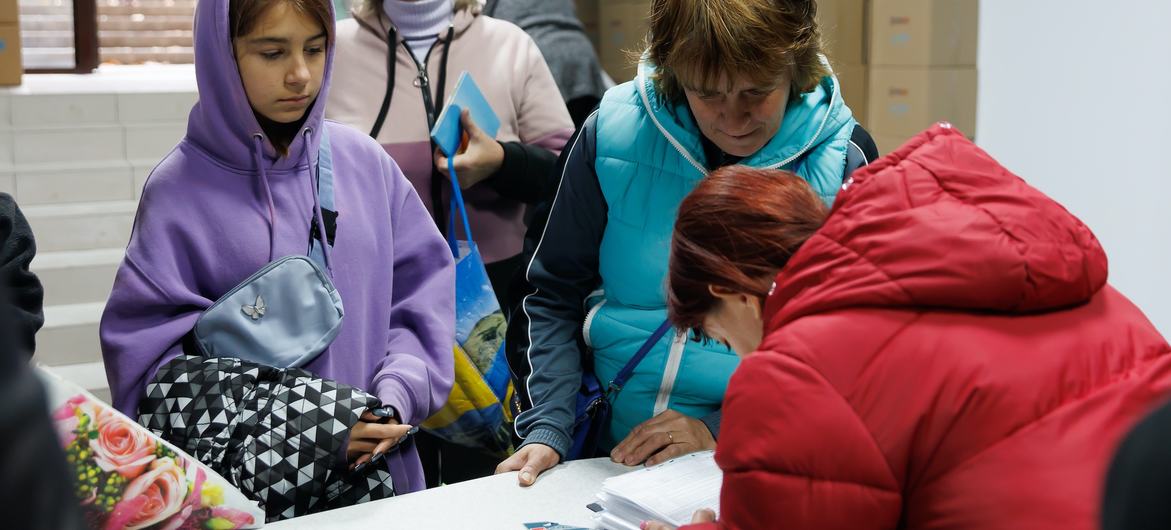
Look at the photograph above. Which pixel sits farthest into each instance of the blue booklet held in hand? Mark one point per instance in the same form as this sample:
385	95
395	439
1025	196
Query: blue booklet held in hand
447	132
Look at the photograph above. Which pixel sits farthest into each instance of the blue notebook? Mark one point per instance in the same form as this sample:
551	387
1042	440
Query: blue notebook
446	132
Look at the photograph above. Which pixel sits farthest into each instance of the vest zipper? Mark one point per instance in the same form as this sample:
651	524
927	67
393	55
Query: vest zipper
670	373
646	102
589	321
833	98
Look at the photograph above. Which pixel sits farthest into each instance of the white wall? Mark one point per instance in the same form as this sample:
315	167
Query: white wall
1075	97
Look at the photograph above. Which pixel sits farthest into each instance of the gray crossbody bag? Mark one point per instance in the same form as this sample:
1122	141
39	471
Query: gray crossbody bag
289	311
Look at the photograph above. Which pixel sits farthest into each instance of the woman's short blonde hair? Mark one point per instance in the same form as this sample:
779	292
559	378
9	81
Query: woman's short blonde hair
697	42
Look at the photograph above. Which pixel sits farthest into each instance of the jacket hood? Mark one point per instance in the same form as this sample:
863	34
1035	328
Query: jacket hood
940	224
223	123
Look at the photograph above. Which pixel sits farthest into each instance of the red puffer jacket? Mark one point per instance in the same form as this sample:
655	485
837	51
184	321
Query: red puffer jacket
943	354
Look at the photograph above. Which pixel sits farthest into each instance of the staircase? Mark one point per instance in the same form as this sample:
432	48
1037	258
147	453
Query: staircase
129	32
75	152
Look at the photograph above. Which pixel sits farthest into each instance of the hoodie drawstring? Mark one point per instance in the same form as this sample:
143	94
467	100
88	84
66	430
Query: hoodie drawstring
392	45
257	150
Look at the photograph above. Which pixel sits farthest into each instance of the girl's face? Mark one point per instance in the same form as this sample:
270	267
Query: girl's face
282	62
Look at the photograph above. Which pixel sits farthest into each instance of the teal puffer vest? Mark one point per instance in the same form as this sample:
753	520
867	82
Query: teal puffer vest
649	157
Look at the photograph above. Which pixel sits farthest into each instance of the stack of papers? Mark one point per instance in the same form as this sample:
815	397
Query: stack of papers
669	492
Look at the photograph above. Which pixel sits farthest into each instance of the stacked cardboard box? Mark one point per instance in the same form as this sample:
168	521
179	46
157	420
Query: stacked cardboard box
922	67
10	63
622	29
587	12
844	30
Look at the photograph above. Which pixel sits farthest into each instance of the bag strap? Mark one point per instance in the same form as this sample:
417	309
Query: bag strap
457	202
628	370
319	251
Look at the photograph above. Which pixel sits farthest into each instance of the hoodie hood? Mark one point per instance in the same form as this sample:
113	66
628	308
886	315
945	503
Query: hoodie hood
939	224
223	123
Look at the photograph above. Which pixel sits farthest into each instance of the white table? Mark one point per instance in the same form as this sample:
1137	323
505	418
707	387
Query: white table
497	502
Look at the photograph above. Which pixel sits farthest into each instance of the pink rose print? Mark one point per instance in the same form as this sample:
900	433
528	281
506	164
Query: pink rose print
150	498
121	447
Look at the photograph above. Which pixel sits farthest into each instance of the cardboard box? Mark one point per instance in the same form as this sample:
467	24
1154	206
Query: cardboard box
587	13
854	81
9	12
11	67
904	101
622	28
843	28
887	143
923	32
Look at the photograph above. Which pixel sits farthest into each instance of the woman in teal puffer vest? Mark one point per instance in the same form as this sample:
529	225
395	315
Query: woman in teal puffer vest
722	82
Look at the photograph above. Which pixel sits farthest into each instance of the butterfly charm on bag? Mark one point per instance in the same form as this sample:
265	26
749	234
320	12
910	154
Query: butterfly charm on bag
256	310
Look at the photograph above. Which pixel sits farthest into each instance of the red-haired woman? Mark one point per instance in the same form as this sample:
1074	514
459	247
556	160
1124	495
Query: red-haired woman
941	350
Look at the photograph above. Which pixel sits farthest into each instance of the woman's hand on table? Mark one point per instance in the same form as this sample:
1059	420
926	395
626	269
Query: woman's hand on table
531	460
662	438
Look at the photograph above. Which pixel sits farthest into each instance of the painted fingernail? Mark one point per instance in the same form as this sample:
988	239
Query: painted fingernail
361	466
644	525
377	456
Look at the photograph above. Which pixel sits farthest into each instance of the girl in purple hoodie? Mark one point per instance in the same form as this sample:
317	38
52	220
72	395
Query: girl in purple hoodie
238	192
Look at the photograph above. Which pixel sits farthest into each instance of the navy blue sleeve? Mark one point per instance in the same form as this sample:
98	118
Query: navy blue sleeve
544	333
860	152
523	175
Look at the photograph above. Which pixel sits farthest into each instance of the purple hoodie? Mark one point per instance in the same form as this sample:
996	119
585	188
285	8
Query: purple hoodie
203	226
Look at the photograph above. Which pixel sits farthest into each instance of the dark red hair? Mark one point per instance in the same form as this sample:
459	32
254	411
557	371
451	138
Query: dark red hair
736	230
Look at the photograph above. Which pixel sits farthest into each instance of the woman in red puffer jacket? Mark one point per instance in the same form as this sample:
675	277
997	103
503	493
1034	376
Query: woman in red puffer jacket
941	352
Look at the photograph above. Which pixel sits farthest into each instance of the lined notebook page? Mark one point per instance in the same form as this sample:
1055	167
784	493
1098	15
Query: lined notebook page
670	492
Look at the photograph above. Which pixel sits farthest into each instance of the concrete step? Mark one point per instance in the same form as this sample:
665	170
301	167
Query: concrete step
145	9
77	277
144	39
154	23
48	58
170	54
79	182
82	226
64	21
56	21
105	7
46	39
70	335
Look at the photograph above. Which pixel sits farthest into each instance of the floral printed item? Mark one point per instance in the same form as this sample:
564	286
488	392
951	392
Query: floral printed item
128	479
